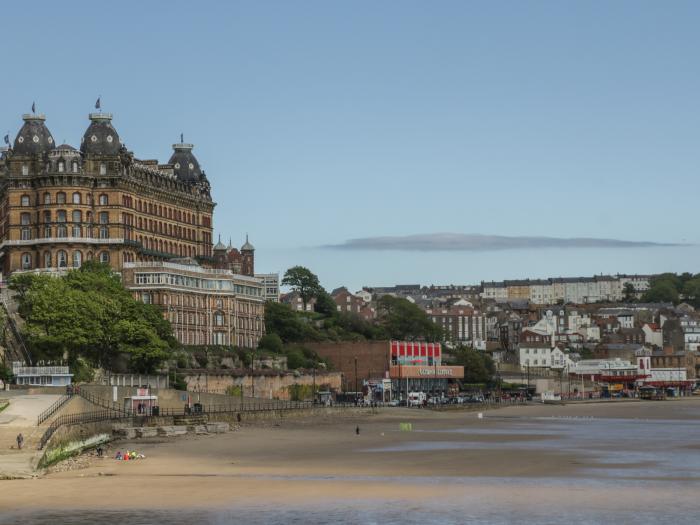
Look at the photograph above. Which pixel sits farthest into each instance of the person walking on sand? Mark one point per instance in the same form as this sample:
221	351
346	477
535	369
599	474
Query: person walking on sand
20	441
357	430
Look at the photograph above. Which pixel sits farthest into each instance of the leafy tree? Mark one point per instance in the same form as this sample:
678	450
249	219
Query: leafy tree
691	290
402	319
325	305
271	342
662	291
87	316
478	367
628	292
280	319
303	281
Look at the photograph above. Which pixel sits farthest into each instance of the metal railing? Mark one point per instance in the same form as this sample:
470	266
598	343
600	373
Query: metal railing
79	419
46	414
115	414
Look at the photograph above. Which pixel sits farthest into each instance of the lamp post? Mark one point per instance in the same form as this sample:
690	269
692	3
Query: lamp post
355	380
313	390
252	368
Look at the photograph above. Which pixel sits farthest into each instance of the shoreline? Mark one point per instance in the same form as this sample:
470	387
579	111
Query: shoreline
449	456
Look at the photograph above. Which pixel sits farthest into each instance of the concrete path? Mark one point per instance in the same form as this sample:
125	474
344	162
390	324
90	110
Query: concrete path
21	416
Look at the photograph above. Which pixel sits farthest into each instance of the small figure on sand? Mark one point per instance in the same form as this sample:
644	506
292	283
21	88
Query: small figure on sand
20	441
357	430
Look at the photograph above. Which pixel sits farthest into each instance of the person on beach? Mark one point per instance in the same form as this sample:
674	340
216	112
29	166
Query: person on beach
357	430
20	441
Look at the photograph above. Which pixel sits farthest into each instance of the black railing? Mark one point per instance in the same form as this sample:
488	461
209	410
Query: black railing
115	414
46	414
79	419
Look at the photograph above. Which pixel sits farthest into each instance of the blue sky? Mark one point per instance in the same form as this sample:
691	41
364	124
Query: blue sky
322	122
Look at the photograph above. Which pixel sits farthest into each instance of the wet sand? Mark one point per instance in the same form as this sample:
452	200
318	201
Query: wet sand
519	456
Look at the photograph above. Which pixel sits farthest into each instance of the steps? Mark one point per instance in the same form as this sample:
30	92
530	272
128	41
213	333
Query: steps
191	420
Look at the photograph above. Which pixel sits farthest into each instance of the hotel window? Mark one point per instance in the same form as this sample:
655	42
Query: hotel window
24	200
61	259
104	200
77	216
61	216
47	259
60	198
77	259
75	167
76	198
26	261
104	257
47	231
61	167
25	169
218	319
77	231
47	198
61	231
104	232
103	168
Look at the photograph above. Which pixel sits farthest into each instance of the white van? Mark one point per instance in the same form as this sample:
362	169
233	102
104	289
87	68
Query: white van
416	399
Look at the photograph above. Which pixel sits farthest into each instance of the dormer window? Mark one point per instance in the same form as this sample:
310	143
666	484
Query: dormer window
61	167
25	169
75	167
103	168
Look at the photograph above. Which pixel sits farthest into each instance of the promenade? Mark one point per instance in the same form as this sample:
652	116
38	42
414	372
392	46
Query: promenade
21	417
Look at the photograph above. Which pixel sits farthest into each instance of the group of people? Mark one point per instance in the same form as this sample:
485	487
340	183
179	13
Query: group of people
128	455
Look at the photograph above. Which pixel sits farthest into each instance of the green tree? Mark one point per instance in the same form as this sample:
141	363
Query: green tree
691	291
478	367
90	319
662	291
402	319
271	343
325	305
628	292
302	281
280	319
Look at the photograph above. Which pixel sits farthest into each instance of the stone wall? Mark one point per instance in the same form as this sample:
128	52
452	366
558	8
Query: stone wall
265	384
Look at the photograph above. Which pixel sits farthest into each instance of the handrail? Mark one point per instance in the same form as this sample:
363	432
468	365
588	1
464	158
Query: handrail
117	414
55	407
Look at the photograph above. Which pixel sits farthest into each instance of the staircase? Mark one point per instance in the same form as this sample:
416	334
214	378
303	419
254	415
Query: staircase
16	348
191	420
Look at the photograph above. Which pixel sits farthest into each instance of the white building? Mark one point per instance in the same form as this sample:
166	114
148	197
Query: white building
653	335
41	375
271	286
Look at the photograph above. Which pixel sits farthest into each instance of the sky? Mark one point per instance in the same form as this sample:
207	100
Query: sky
398	141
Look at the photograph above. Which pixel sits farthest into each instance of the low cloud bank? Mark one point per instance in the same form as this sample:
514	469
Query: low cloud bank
476	242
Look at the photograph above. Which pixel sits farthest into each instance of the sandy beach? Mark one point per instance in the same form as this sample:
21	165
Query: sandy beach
523	457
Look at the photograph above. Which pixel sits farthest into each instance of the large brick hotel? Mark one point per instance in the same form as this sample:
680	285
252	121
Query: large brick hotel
61	206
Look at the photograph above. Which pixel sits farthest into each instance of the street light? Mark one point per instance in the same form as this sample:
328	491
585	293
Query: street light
356	380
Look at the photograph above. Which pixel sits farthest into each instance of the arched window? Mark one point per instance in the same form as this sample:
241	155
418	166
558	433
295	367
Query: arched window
47	259
77	259
24	200
26	261
77	216
61	166
61	259
103	168
104	200
60	198
76	198
104	257
47	198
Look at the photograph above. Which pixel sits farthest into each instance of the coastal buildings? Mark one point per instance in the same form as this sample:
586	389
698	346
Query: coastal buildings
60	206
271	286
205	306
